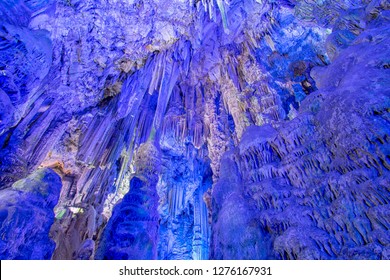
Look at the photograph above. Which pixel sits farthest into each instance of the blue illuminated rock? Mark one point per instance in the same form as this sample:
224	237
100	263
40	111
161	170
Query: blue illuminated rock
132	231
27	215
186	129
320	182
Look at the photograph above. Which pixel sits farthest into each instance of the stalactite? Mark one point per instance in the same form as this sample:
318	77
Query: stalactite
195	129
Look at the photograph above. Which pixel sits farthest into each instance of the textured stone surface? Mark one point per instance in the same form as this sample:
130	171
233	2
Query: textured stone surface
27	215
319	184
132	231
191	129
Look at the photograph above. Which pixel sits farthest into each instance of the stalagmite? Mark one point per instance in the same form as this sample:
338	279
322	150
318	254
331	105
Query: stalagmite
185	129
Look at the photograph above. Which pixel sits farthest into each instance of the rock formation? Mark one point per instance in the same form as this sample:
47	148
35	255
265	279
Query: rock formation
194	129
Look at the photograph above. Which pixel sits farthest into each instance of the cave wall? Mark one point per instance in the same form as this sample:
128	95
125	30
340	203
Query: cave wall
195	129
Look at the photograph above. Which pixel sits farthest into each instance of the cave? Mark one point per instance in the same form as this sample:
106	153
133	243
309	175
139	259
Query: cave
194	129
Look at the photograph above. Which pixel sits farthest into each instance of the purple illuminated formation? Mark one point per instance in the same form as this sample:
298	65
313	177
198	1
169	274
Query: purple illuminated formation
194	129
